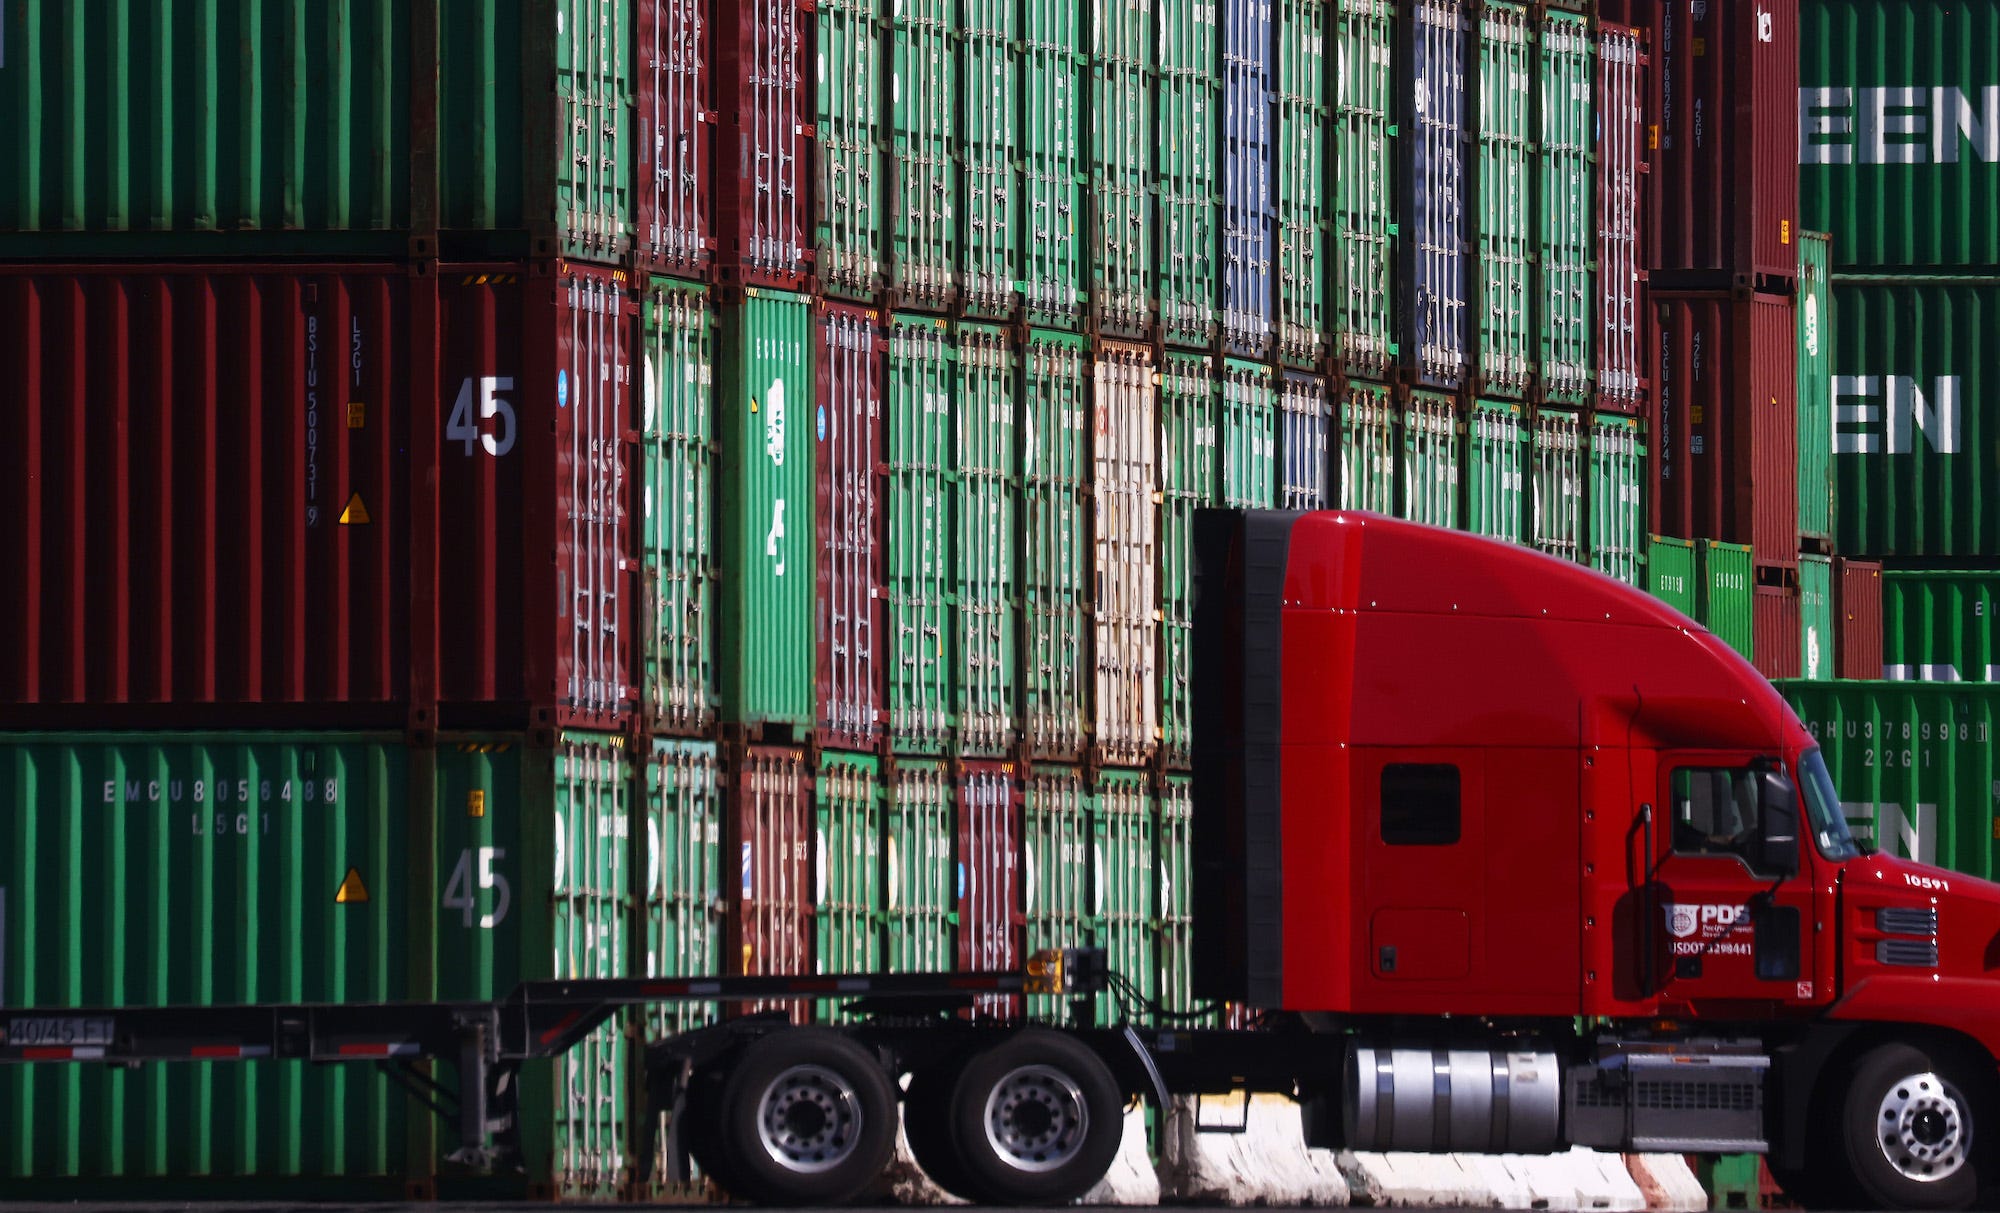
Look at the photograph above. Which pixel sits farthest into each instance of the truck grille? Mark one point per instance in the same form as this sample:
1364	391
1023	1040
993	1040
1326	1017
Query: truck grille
1916	953
1907	920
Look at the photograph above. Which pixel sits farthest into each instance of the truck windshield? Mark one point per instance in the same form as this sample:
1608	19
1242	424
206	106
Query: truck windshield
1829	824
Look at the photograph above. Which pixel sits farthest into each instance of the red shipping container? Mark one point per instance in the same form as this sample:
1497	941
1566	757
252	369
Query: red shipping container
1775	642
1725	445
771	827
1727	101
675	222
1857	610
1624	312
764	80
851	688
992	916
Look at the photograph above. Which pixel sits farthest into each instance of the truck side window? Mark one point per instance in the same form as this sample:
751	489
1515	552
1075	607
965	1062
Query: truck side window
1420	804
1715	811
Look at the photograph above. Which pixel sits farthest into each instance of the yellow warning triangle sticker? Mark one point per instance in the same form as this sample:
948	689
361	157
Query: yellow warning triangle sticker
351	889
356	514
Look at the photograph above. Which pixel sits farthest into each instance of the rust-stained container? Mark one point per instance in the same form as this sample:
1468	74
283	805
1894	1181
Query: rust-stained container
769	833
1624	317
1857	618
987	876
1775	647
673	208
847	431
1125	597
1726	442
1728	184
764	54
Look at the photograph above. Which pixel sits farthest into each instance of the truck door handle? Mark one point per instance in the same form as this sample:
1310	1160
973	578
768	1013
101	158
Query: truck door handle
1389	959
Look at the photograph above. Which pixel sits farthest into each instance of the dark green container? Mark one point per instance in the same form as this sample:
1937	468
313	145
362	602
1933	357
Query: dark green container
1555	484
1670	574
922	456
1566	206
677	358
920	863
1054	118
1365	102
847	870
1174	877
1368	449
986	512
1504	239
680	790
1429	471
1732	1181
1187	171
1724	590
1123	272
1616	502
924	146
1190	478
1248	435
1055	545
1056	819
1817	633
851	205
1941	626
990	146
1299	170
1496	471
1124	891
1815	326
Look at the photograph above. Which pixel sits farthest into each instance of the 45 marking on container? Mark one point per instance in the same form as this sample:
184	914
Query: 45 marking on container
460	892
468	427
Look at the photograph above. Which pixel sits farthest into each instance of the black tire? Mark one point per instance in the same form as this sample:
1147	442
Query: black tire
701	1126
1916	1128
927	1125
1036	1119
807	1117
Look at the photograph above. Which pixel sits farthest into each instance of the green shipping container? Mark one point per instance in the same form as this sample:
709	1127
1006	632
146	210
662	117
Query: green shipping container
767	531
1175	876
921	866
1670	573
1732	1181
1123	270
1815	375
1056	520
1916	423
1430	460
1724	591
1187	171
1056	818
923	97
1123	892
1054	246
1916	766
1496	462
1367	449
1566	203
1816	631
1503	327
921	482
1616	502
293	128
1249	436
851	201
1364	176
986	511
847	870
1299	168
677	514
990	147
1190	479
1941	626
284	867
1899	154
1555	495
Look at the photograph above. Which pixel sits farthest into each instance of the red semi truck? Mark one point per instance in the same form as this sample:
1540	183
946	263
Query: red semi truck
1513	856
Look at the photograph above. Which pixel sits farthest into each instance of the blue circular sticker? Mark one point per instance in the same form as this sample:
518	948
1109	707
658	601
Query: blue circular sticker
822	423
562	389
961	882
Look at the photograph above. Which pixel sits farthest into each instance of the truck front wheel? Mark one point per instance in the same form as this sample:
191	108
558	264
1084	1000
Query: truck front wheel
1910	1122
1037	1119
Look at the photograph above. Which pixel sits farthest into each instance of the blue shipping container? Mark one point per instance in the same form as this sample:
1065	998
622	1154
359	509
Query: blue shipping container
1434	225
1250	212
1305	443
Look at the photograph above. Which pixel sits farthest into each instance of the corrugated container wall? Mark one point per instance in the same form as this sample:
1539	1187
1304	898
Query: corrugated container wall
768	532
1058	847
1055	475
1728	184
1248	436
1496	459
1306	439
673	220
1723	581
1054	114
847	905
1566	198
1125	533
1857	602
1624	313
851	217
1175	876
925	142
1123	271
1556	485
919	900
768	848
1124	886
764	85
1616	503
1427	480
677	356
1775	642
1503	242
1899	153
1435	200
1727	433
990	214
1816	626
682	898
1917	768
1190	479
1940	626
1299	170
1916	424
1670	573
990	899
1249	193
1365	106
921	461
987	512
1187	174
1815	344
851	640
1367	443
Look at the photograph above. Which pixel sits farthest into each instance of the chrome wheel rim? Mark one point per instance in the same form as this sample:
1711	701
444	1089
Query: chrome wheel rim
1036	1118
1924	1128
809	1119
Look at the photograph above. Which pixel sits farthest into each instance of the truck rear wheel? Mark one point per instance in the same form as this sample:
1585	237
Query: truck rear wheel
1036	1119
807	1117
927	1125
1910	1123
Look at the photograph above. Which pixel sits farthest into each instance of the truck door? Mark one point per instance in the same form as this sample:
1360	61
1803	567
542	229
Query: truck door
1736	925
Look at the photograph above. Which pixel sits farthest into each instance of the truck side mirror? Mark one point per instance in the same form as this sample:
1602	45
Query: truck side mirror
1778	836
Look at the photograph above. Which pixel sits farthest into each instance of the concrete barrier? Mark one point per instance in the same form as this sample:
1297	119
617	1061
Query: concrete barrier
1267	1164
1668	1183
1131	1180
